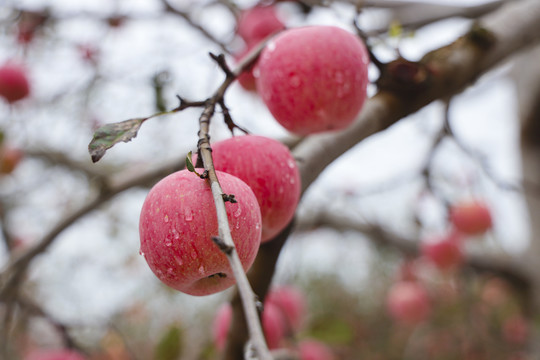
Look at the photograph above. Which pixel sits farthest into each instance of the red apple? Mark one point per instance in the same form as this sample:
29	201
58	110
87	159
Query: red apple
313	79
14	84
471	217
292	303
58	354
257	23
314	350
269	168
10	158
273	325
445	253
177	223
408	302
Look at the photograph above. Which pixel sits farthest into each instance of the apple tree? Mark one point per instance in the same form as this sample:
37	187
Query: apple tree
235	179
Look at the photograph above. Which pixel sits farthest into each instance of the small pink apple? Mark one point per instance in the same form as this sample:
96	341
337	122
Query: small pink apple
472	217
178	220
269	168
445	253
292	303
313	79
14	85
273	324
408	302
257	23
314	350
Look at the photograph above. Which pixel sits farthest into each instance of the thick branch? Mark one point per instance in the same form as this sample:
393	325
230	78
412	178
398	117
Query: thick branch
452	69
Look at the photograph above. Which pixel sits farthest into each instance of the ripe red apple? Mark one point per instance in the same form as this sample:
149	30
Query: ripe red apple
257	23
292	302
273	325
14	84
314	350
10	158
471	217
313	79
269	168
58	354
177	223
408	302
445	253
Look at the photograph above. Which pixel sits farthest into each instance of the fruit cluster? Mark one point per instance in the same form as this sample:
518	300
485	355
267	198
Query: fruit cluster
408	300
178	218
312	79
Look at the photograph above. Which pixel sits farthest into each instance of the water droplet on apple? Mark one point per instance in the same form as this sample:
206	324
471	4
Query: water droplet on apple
201	270
168	243
188	214
292	181
193	254
170	271
271	46
237	212
141	253
178	260
291	163
294	81
280	190
166	218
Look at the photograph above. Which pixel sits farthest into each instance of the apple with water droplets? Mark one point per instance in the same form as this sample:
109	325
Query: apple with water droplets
313	79
273	324
269	168
408	302
471	217
14	85
178	220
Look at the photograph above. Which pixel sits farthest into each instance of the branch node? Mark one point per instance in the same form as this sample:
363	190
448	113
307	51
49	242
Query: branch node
229	197
226	249
220	60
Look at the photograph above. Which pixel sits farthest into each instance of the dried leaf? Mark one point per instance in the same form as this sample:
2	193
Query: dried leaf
109	135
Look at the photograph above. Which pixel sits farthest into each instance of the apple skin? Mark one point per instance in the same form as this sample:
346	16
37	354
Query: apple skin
313	79
178	220
59	354
314	350
257	23
444	253
10	158
408	302
14	85
292	303
273	324
269	168
471	217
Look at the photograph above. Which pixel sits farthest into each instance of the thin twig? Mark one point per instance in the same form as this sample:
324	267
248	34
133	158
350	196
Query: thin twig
246	293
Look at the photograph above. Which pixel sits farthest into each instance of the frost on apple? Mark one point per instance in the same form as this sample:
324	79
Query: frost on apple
178	220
